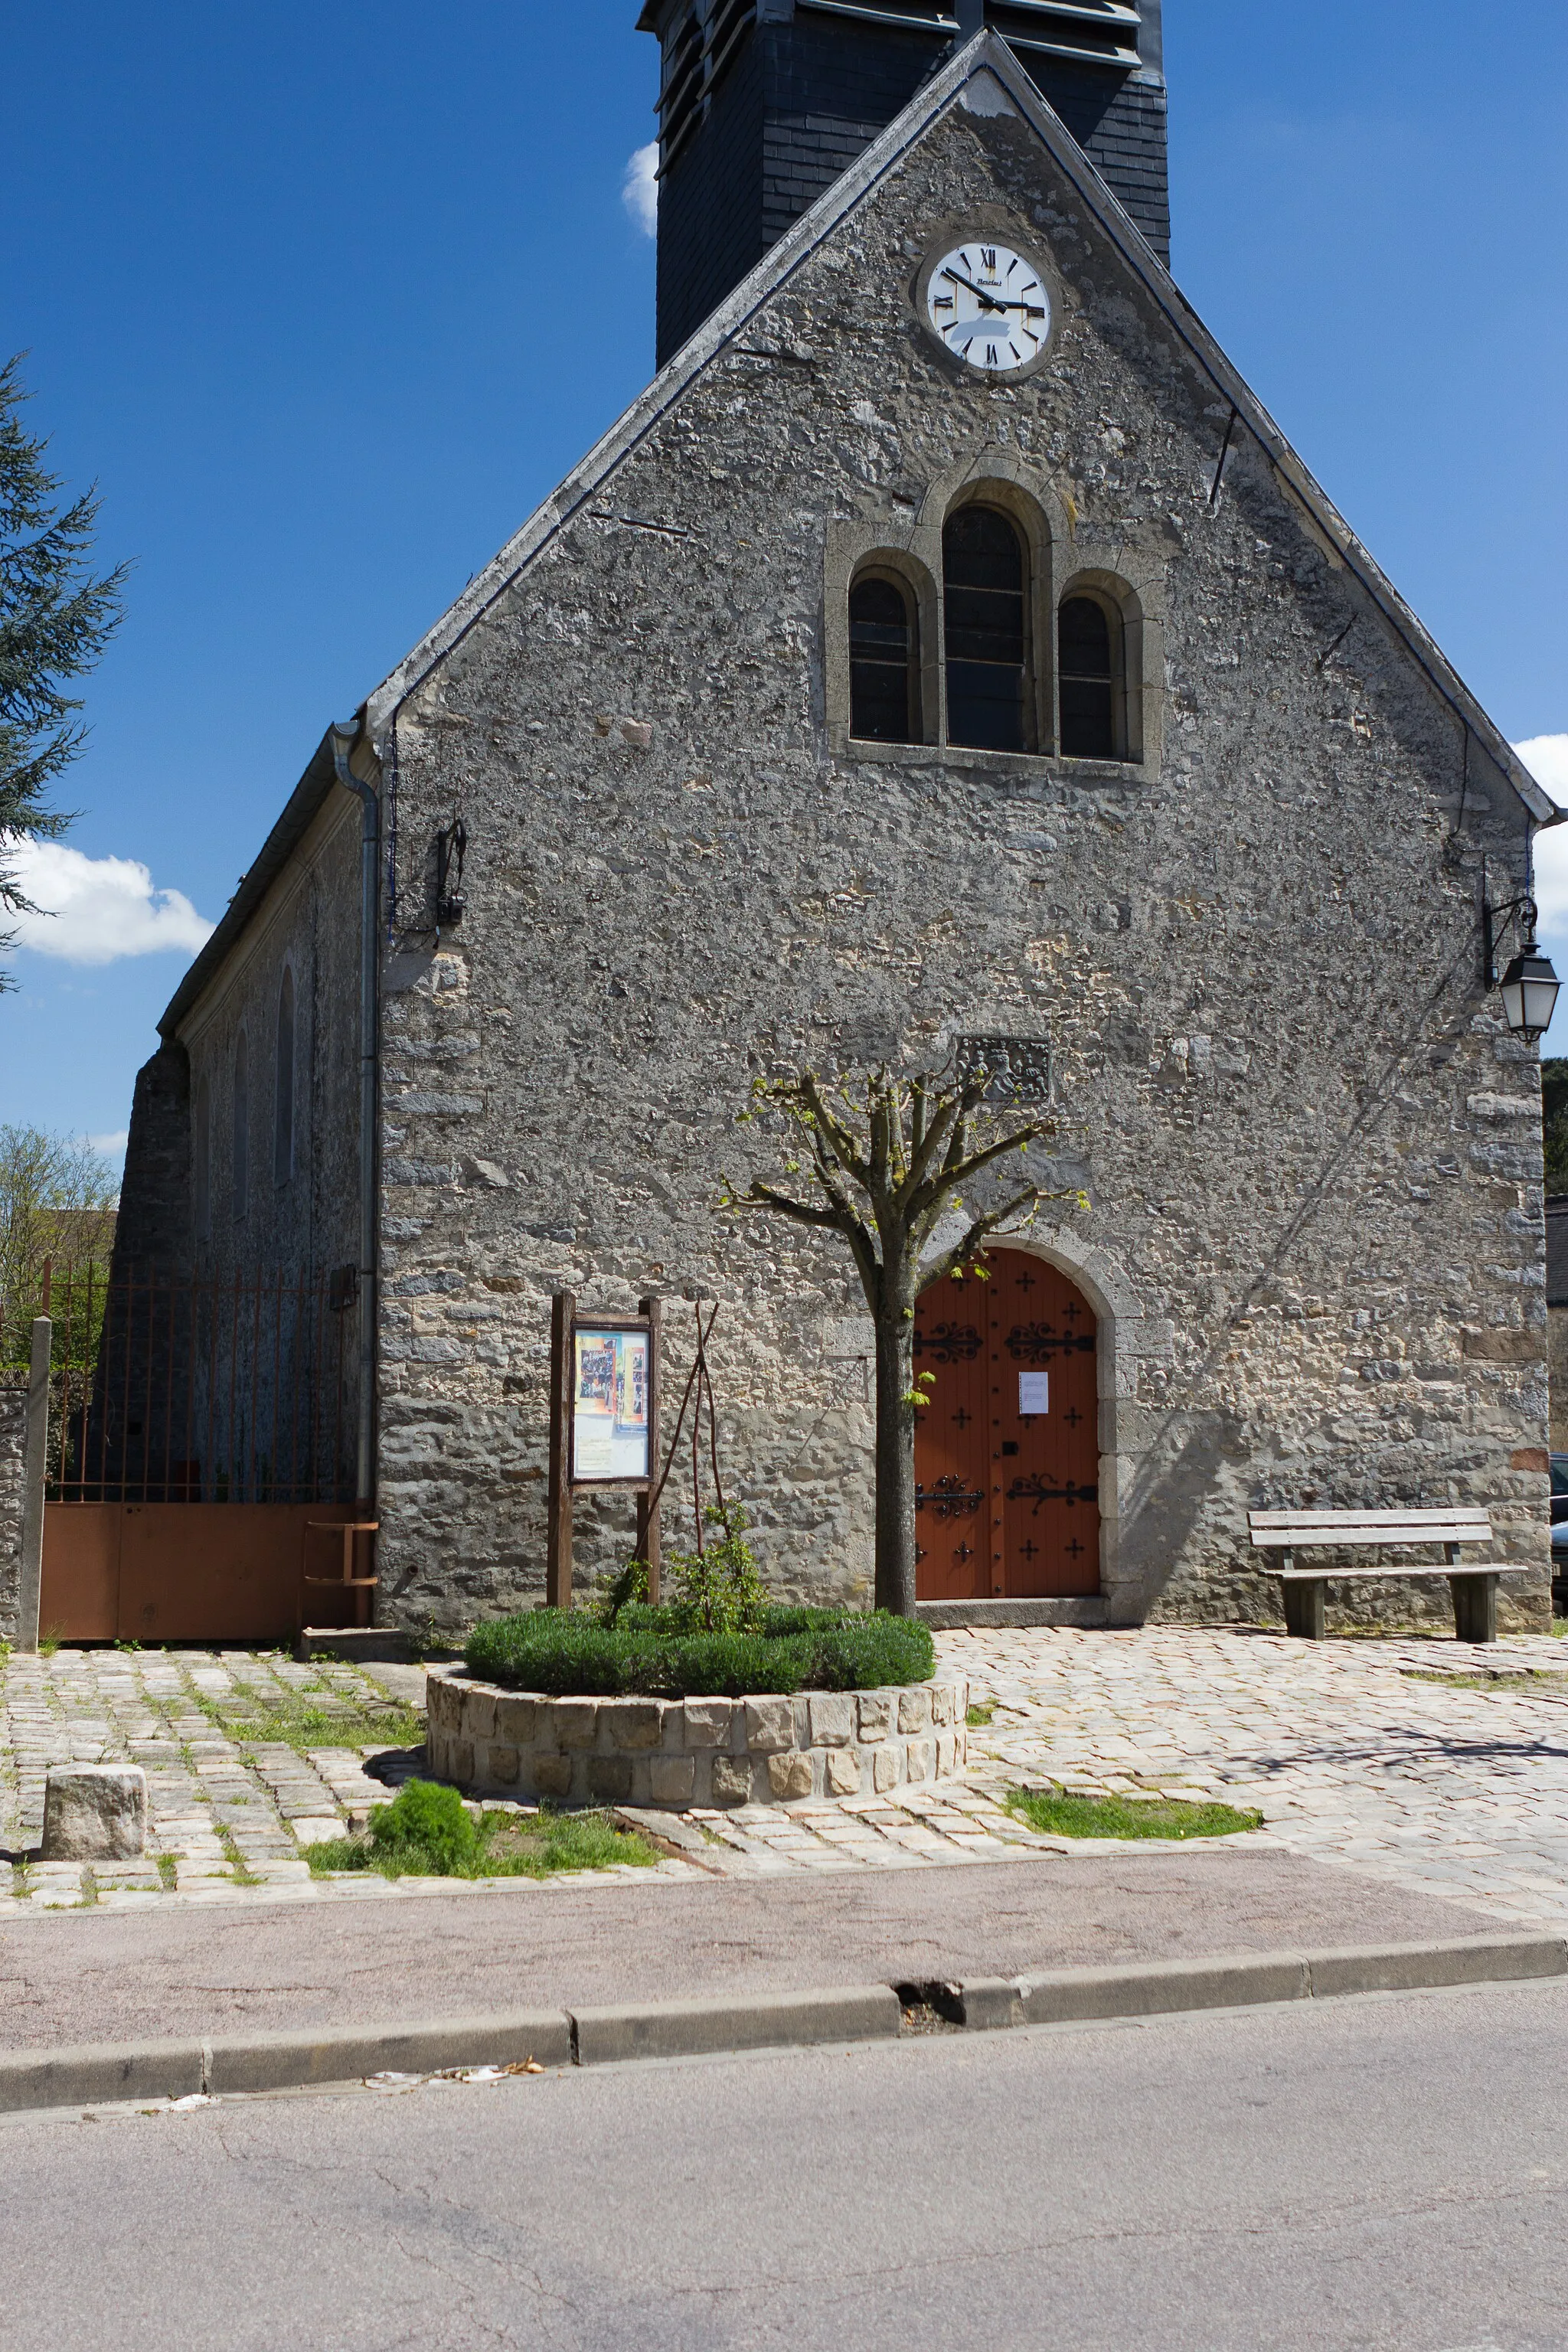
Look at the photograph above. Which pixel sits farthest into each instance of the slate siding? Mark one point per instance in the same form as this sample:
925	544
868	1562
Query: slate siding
805	97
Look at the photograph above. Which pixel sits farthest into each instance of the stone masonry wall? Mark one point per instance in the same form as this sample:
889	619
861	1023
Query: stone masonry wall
1310	1149
12	1449
680	1752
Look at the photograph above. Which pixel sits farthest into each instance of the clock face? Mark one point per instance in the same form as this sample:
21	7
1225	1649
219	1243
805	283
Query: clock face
990	305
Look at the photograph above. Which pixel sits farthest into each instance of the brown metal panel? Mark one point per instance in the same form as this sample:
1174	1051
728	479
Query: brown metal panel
215	1572
80	1594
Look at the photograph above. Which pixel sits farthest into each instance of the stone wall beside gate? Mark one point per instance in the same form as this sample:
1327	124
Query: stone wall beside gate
13	1446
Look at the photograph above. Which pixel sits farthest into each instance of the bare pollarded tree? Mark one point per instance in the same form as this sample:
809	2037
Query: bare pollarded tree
886	1156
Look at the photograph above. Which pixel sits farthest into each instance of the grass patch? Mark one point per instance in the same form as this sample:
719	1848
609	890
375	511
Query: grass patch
1058	1814
648	1650
980	1715
239	1869
168	1872
426	1832
314	1719
1505	1682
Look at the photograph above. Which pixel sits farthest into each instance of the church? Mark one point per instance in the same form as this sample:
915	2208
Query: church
946	654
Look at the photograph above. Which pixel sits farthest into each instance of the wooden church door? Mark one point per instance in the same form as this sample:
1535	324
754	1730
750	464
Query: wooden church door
1007	1451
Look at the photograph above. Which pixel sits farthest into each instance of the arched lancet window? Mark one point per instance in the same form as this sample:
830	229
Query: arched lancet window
283	1098
884	661
987	625
1087	648
202	1156
239	1175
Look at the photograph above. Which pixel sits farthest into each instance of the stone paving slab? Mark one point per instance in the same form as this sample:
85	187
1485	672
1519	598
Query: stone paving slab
1360	1754
166	1972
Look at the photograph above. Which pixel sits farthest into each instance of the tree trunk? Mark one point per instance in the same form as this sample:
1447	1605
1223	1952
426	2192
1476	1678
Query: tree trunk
895	1587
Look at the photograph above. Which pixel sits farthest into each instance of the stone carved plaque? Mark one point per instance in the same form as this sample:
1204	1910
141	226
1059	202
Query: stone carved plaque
1019	1068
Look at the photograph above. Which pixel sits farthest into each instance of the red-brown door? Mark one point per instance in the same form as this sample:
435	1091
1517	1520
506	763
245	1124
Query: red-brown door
1007	1451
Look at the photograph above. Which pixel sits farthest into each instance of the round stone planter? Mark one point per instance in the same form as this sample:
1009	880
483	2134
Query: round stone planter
677	1752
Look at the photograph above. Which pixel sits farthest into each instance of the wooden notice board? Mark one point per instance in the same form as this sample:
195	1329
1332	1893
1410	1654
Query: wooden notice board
603	1427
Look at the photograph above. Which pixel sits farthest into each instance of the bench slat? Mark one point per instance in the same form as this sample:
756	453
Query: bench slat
1322	1539
1457	1514
1429	1568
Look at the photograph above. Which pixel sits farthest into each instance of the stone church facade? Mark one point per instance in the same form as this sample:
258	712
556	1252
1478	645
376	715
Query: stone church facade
707	733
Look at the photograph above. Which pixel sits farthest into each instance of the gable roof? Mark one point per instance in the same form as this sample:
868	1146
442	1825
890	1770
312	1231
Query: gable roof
985	76
986	56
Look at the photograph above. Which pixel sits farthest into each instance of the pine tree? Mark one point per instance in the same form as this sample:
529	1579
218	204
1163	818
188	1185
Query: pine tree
55	621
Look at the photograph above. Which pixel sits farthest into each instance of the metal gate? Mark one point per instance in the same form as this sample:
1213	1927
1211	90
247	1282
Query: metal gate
201	1459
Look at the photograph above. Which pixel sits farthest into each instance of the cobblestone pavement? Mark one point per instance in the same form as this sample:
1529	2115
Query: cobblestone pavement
1368	1754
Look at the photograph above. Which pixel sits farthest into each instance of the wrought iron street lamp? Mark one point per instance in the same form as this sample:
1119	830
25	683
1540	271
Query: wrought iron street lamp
1530	989
1529	985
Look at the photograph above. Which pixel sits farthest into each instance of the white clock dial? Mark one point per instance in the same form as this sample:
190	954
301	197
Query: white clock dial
989	304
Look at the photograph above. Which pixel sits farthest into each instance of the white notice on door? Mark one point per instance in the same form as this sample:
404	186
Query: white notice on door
1033	1393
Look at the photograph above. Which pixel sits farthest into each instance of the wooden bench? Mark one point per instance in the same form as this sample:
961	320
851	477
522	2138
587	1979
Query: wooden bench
1474	1589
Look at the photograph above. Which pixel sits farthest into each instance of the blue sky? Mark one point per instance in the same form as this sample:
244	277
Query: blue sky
279	273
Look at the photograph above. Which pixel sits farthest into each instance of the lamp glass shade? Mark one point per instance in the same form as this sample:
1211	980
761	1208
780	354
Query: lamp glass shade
1530	989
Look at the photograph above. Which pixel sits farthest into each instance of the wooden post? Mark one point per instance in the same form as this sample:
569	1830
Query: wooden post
648	1510
35	1468
558	1557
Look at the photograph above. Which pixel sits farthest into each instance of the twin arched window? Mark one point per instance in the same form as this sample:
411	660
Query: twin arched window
1087	682
985	618
988	651
884	660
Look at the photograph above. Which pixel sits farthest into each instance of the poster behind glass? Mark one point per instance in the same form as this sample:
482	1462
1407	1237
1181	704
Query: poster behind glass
610	1373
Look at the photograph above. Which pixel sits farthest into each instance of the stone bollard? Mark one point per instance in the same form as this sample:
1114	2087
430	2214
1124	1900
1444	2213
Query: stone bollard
95	1813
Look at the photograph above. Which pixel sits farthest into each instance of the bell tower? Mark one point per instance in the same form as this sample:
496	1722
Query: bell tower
762	104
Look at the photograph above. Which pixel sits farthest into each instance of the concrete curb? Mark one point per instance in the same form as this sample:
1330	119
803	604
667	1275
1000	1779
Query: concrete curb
98	2074
1244	1979
686	2028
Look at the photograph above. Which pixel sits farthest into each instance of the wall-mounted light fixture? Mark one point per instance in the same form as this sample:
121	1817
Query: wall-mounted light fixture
1529	985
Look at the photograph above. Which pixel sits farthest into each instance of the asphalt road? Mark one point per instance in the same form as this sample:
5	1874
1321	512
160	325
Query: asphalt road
1377	2172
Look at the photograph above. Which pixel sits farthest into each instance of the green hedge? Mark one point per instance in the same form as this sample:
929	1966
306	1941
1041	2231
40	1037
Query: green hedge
564	1653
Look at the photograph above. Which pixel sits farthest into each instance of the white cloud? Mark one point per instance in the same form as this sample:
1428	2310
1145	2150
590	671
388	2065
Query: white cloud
640	189
1546	757
97	909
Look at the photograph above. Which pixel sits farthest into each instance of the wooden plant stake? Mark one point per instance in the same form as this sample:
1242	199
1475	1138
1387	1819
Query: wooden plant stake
557	1556
648	1500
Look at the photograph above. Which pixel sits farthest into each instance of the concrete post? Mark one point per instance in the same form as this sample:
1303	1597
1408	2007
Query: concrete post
35	1458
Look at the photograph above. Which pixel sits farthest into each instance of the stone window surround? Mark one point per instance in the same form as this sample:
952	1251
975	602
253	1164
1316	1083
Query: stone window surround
1064	556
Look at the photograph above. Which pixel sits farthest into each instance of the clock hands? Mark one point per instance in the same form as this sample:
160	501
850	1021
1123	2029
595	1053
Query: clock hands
989	300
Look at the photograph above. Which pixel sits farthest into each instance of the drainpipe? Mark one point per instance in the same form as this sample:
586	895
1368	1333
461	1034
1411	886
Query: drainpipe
343	741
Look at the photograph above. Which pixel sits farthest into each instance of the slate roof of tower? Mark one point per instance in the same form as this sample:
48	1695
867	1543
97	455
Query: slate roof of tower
985	53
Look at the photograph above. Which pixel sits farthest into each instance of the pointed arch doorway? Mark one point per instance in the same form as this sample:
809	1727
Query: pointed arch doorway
1007	1452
